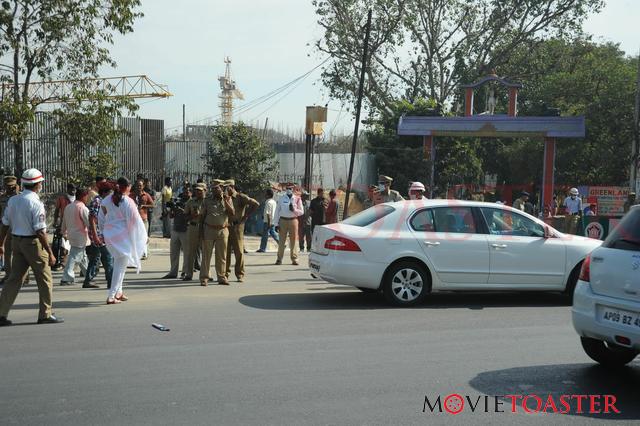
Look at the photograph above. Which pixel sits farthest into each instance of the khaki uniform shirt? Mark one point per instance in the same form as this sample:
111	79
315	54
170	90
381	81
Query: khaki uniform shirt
4	200
390	197
194	206
214	213
240	203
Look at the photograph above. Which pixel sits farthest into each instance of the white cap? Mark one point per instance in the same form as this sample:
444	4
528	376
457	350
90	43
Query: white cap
31	176
573	191
417	186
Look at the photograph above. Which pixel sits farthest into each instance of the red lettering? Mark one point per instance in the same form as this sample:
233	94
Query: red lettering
579	399
513	402
538	404
594	406
565	404
610	403
550	403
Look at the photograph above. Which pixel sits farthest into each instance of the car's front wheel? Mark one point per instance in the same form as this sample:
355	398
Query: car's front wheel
607	353
406	284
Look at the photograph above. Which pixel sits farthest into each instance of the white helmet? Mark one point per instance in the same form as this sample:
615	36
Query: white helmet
574	191
417	186
31	176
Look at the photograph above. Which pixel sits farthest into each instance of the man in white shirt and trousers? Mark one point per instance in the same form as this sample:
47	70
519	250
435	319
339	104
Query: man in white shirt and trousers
288	209
25	217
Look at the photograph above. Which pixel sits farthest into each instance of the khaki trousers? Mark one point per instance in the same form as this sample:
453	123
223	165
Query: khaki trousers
236	245
214	238
193	242
288	227
8	251
178	244
28	252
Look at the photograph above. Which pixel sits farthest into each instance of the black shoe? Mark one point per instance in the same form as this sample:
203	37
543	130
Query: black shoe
260	251
51	320
169	277
66	283
90	286
4	322
187	279
278	262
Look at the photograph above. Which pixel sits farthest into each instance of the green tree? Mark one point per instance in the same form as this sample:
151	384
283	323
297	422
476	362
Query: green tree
427	48
54	39
238	152
89	123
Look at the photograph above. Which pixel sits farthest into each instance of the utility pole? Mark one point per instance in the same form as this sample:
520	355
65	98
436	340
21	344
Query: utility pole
365	55
635	164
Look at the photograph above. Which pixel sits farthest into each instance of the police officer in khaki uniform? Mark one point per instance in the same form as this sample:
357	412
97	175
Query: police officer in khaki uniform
386	194
244	206
215	219
193	212
26	218
10	189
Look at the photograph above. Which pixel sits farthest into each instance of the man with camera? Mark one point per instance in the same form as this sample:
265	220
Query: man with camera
176	211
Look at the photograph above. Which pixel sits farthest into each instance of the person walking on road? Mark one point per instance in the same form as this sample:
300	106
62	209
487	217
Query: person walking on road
97	250
144	203
243	207
75	223
125	235
215	221
288	209
331	213
25	216
269	226
167	195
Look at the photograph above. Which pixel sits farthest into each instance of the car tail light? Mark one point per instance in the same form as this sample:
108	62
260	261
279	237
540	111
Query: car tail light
585	272
341	244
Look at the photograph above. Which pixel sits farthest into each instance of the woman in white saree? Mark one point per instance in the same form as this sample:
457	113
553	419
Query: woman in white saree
124	234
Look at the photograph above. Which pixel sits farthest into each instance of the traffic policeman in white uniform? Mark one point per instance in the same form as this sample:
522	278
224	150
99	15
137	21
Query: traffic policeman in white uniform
25	216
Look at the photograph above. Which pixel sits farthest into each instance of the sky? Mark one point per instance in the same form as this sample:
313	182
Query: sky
270	42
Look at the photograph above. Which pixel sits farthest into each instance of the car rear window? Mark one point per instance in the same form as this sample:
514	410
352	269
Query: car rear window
626	236
368	216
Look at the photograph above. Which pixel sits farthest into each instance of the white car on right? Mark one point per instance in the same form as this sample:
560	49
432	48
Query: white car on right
606	301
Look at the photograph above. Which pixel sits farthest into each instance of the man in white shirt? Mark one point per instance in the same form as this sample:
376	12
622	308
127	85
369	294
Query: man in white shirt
288	208
269	226
573	203
26	218
75	223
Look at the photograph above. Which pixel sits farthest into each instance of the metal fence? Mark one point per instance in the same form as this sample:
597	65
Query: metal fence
140	150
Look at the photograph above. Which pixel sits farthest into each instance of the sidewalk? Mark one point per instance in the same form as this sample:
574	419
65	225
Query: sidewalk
251	243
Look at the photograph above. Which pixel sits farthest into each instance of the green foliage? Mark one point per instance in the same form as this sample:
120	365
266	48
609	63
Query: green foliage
427	48
237	152
89	122
55	39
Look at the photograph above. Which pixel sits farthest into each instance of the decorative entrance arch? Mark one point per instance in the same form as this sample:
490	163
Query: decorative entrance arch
487	124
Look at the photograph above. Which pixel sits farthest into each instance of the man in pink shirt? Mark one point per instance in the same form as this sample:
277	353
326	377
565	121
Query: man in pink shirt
75	221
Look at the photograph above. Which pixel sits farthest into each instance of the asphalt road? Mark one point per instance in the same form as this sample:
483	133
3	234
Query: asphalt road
282	348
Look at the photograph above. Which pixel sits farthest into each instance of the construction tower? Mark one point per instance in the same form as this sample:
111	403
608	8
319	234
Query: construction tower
228	94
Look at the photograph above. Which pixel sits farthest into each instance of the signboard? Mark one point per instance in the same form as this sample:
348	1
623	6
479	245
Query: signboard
611	199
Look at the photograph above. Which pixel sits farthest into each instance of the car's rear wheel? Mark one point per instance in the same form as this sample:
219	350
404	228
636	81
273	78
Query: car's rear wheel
571	284
607	353
406	284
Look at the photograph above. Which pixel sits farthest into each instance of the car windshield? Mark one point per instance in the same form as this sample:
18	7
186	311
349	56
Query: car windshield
368	216
626	236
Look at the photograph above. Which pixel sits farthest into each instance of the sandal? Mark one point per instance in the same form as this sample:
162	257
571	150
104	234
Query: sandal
111	301
122	297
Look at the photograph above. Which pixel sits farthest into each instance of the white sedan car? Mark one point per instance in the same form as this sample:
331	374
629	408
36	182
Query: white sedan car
410	248
606	304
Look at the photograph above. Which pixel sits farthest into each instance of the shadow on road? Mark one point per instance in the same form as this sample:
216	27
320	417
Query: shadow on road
567	379
59	304
349	299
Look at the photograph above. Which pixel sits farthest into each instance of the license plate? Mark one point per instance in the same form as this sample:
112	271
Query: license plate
618	316
314	267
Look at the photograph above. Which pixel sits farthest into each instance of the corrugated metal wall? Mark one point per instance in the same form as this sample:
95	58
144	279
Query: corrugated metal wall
140	150
184	160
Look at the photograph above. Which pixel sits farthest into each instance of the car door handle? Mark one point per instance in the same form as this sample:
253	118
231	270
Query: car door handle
597	259
432	243
499	246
